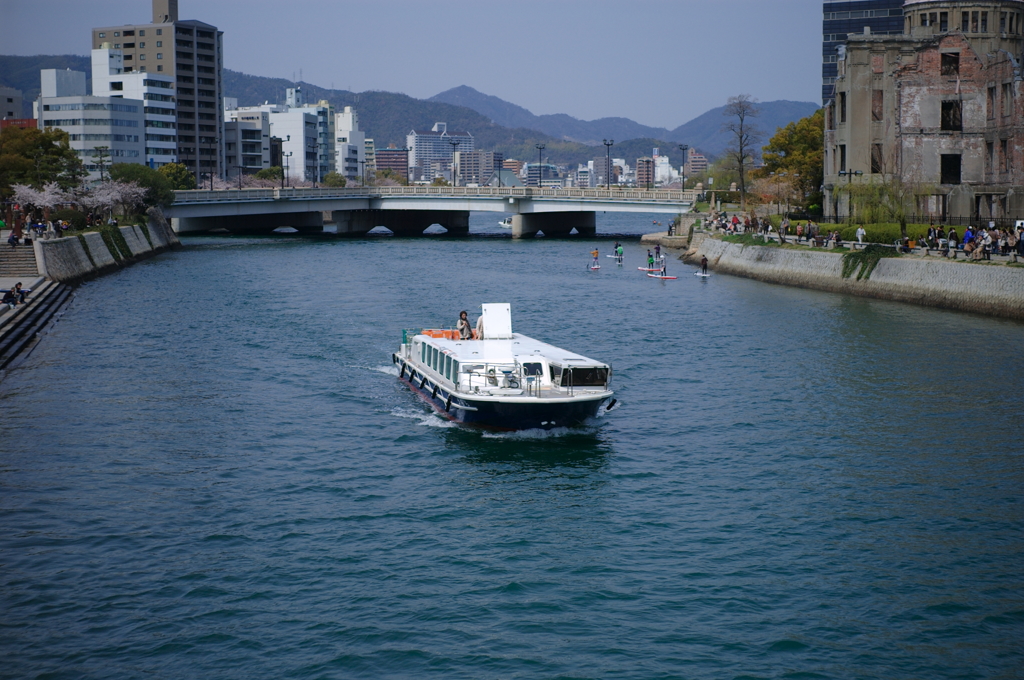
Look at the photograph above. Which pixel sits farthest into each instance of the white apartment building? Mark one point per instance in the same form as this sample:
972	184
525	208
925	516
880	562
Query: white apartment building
156	90
246	140
298	131
349	144
92	122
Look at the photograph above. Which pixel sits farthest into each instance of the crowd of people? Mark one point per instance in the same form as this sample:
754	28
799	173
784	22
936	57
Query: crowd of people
977	244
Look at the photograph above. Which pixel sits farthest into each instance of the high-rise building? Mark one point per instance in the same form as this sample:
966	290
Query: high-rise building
101	130
349	144
883	17
644	171
395	160
696	163
191	54
476	167
156	91
435	145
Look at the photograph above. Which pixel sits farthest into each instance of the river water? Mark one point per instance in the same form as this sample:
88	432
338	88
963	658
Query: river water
209	469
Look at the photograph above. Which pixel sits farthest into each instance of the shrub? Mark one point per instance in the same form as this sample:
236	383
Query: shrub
886	233
76	218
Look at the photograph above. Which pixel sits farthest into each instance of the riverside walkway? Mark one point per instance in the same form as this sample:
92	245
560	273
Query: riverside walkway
411	210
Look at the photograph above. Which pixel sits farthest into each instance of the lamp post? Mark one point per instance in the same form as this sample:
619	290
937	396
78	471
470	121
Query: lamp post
284	176
455	148
288	138
239	168
362	170
848	174
540	159
682	168
608	162
211	143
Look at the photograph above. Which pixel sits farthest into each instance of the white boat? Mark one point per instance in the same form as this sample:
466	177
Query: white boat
506	223
503	380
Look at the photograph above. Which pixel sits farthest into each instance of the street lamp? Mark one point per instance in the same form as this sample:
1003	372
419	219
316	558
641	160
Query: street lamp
540	159
455	148
608	162
287	138
239	168
682	168
284	176
211	142
848	174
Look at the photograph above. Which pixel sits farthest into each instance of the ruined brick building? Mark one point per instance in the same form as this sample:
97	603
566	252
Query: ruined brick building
939	107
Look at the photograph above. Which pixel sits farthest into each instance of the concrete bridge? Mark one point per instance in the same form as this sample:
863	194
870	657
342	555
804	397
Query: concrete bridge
411	210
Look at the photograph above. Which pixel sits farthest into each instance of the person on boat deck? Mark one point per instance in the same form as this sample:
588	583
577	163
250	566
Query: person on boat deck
465	332
480	327
596	255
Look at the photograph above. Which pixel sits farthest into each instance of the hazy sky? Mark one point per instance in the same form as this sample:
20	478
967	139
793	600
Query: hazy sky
659	63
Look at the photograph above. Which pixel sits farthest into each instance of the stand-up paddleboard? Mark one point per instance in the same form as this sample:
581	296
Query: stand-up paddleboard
650	269
658	276
611	255
597	267
701	274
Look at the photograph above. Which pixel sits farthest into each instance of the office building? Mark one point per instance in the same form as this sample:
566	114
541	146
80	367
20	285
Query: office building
436	145
154	89
937	109
101	130
349	144
246	141
883	17
395	160
298	130
191	54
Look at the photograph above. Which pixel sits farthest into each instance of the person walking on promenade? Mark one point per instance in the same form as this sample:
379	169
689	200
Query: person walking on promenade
954	240
799	233
861	233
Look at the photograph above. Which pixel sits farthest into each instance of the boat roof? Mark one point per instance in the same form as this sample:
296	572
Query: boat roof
507	351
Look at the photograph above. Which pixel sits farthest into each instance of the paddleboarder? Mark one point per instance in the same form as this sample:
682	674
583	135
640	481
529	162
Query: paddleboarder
618	253
596	255
704	264
650	260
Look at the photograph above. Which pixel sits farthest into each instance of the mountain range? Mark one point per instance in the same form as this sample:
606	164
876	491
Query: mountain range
495	124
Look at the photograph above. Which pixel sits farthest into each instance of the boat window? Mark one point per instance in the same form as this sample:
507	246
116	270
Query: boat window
585	376
437	357
455	372
423	353
448	366
533	369
556	374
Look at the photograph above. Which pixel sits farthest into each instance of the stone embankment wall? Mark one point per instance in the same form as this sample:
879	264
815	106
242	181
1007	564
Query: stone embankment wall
987	289
78	257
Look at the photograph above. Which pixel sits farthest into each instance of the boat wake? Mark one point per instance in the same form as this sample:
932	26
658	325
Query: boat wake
390	370
538	433
426	419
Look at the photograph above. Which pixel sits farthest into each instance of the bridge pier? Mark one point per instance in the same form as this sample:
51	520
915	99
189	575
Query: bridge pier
401	222
304	222
555	225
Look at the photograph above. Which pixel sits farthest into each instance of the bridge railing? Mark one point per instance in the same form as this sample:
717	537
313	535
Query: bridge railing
309	193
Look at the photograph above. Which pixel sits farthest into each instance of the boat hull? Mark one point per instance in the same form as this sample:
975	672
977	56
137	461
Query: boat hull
503	415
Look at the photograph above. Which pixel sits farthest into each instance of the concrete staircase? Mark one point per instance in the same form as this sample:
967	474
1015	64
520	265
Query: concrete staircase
20	327
18	262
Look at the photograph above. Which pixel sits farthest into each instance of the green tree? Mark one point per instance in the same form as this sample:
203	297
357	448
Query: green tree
37	157
799	149
440	182
273	172
333	179
157	186
179	177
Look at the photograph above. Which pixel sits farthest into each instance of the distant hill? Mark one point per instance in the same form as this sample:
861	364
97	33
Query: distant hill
495	124
703	132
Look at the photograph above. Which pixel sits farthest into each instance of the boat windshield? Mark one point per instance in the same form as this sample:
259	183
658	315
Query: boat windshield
533	368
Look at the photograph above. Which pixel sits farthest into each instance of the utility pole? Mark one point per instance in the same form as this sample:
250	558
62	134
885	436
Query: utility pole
455	148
